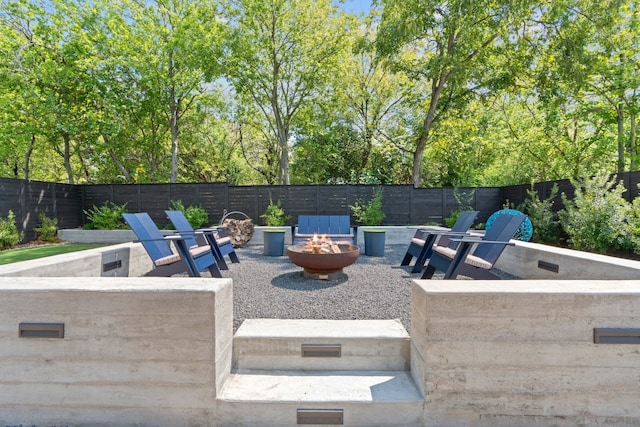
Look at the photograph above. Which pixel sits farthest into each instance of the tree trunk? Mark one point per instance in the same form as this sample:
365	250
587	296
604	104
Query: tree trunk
67	156
620	119
282	133
27	157
116	161
633	150
437	85
173	122
284	165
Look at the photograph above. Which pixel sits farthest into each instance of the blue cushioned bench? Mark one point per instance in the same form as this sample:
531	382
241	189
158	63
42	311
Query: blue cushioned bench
336	227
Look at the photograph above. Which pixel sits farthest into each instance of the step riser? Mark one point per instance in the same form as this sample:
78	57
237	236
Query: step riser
252	414
362	344
281	368
355	353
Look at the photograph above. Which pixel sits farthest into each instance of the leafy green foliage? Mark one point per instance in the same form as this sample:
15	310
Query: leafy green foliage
464	200
196	215
9	234
437	93
546	228
598	218
106	217
281	56
274	215
634	224
48	230
369	213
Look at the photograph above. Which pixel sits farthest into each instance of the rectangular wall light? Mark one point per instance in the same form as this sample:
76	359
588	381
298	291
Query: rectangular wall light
41	330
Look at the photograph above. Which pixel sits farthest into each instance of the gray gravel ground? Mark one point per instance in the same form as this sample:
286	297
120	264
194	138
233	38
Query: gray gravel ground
273	287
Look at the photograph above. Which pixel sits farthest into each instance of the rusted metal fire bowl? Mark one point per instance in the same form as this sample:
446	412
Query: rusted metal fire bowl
323	266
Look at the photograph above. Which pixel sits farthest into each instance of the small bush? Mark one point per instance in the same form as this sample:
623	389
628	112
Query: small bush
465	203
598	218
634	224
274	215
196	215
48	230
546	228
106	217
9	234
369	213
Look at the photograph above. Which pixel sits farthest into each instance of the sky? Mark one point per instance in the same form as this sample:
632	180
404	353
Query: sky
357	6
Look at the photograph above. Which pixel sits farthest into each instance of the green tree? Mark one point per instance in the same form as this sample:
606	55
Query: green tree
374	97
452	47
281	55
169	49
48	63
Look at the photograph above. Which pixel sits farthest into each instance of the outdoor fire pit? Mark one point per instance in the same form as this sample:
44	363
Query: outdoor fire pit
322	259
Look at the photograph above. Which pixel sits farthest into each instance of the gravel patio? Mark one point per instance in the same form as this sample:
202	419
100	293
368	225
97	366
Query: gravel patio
273	287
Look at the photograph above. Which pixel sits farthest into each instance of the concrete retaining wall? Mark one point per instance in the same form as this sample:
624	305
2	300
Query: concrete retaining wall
135	351
124	260
78	235
395	235
536	261
522	353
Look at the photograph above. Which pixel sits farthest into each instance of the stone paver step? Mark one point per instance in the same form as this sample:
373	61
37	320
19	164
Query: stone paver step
360	398
307	344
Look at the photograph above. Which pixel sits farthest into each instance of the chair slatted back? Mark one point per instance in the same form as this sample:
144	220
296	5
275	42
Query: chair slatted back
181	223
463	223
148	234
502	230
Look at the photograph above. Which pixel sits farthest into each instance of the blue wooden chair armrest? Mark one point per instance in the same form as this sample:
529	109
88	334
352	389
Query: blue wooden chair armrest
446	232
175	237
163	239
475	240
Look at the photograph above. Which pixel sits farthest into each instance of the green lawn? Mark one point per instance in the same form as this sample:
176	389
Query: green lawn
14	255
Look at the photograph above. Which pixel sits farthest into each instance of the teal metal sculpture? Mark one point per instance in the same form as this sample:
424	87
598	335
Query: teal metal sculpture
524	232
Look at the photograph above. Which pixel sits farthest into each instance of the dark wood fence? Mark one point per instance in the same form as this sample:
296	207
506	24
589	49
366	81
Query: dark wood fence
517	194
402	204
26	199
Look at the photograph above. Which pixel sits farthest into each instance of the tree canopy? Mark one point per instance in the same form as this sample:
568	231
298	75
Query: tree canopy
421	92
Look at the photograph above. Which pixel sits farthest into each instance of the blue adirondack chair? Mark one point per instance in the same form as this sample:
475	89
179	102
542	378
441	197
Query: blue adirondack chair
421	245
189	259
477	265
220	245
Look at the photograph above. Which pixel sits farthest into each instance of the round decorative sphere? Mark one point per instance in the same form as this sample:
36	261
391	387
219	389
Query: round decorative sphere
524	232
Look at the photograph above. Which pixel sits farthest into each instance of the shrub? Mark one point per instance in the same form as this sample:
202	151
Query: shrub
106	217
465	203
369	213
274	215
9	234
48	230
196	215
634	224
546	228
598	218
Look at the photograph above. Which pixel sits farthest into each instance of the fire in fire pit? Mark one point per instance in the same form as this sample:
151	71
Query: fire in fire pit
322	258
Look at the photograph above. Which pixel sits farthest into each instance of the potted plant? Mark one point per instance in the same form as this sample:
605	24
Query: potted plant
274	216
371	214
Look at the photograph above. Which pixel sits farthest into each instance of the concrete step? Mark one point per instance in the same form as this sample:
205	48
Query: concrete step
350	398
306	344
